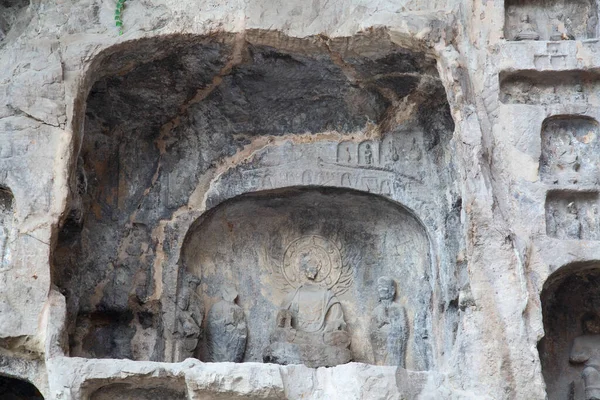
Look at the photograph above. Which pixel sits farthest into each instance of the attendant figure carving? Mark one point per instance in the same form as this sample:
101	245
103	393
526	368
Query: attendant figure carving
310	326
389	327
586	351
226	330
189	317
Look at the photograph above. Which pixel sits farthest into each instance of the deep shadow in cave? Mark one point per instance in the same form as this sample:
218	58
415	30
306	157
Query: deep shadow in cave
17	389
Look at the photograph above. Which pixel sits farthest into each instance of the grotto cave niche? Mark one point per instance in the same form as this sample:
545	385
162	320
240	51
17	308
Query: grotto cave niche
162	115
249	244
569	143
571	311
552	20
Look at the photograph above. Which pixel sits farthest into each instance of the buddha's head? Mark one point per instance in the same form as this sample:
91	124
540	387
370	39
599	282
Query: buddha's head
309	265
386	288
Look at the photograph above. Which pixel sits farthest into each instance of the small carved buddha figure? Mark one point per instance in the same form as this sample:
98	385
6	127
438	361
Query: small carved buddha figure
568	162
571	223
368	154
586	351
389	328
314	309
579	94
527	31
310	327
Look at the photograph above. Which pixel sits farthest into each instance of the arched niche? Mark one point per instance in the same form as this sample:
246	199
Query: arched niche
18	389
570	297
570	144
243	243
158	134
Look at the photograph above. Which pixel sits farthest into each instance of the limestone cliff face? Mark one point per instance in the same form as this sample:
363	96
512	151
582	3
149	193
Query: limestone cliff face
448	145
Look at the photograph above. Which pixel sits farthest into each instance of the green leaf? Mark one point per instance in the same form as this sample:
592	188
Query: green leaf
119	23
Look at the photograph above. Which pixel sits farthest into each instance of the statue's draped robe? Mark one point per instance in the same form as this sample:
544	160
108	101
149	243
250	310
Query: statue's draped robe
315	309
389	334
312	330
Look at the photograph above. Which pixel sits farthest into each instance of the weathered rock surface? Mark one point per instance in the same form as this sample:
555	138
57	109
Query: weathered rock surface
418	137
199	380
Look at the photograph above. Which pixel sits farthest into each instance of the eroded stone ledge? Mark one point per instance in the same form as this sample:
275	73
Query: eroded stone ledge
78	378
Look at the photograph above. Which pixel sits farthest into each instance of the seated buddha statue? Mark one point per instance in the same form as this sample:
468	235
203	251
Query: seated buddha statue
310	327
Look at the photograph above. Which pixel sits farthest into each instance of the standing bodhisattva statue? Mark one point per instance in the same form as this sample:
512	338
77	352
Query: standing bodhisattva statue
389	327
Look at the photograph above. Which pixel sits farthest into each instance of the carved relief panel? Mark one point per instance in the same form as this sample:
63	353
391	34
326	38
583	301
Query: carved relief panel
570	146
573	215
550	20
376	166
573	88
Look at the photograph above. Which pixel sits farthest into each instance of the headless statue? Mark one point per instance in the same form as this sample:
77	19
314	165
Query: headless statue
226	330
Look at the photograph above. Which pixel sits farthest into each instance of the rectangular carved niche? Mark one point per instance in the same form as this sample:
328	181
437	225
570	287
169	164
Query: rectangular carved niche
550	19
570	147
572	215
556	87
